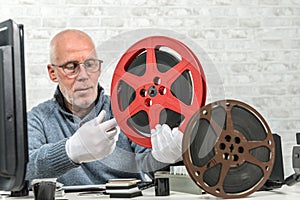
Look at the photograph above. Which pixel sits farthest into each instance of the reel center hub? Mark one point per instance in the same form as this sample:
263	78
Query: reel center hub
231	148
152	91
149	94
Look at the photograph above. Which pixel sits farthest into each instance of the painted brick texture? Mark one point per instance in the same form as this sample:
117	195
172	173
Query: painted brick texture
254	46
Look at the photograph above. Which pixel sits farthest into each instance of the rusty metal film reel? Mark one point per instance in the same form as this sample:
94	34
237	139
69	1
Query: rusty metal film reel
228	149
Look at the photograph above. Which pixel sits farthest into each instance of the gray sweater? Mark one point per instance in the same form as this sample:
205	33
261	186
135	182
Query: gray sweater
50	124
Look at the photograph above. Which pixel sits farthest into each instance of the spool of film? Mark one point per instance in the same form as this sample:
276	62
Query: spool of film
228	149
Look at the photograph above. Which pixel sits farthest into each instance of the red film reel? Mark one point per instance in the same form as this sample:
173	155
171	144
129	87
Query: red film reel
157	80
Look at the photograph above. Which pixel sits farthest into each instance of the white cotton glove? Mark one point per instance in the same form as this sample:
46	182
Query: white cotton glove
93	141
166	144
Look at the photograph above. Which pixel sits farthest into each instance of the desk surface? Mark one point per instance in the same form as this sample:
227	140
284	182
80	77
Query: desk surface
286	192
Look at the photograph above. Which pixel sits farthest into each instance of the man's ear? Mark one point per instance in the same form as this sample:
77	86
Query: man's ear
51	73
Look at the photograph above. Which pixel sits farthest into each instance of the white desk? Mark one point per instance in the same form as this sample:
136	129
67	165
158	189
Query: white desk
286	192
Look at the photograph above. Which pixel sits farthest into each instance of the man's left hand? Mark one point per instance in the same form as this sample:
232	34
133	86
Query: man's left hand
166	144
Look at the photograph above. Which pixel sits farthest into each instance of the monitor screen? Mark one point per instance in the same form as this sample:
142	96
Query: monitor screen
13	123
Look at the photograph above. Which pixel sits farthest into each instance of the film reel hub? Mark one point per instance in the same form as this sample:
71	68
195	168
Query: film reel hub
158	80
228	149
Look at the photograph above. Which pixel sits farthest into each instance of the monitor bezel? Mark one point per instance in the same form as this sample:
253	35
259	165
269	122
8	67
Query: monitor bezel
13	131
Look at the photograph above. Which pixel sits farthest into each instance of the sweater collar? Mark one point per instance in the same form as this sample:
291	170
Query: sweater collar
59	98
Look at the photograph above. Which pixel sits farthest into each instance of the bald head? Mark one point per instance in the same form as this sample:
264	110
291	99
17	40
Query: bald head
69	40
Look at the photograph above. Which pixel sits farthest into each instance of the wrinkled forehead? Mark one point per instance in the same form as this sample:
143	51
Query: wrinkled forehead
71	45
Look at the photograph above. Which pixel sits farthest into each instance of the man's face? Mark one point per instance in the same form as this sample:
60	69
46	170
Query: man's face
80	91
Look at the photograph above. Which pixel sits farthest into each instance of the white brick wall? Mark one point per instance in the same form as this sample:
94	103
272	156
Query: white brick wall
253	45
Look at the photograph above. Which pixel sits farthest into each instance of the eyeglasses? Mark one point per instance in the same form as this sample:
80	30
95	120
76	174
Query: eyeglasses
72	68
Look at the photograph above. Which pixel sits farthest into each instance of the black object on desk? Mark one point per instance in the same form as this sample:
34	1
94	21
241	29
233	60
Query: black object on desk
295	178
23	192
44	190
123	188
162	187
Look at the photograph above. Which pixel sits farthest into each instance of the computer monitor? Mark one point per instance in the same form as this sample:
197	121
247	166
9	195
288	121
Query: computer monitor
13	123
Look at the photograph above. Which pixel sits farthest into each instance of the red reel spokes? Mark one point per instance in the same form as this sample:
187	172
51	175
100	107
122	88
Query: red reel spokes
158	80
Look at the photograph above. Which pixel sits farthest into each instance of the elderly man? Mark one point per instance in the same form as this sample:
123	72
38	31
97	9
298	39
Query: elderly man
73	136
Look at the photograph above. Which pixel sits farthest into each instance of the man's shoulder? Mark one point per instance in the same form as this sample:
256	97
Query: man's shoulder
44	108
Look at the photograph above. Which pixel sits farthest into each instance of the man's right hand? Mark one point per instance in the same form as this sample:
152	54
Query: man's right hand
93	141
